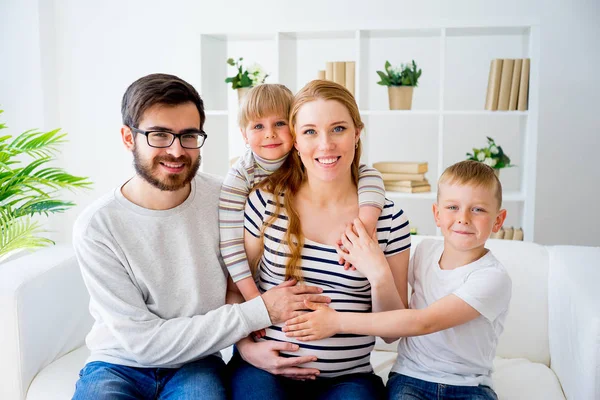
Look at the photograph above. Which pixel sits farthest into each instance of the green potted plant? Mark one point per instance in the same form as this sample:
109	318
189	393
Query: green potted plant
29	186
243	80
492	155
400	82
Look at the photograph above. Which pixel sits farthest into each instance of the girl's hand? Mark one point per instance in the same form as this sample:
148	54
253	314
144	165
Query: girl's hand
362	250
259	334
319	324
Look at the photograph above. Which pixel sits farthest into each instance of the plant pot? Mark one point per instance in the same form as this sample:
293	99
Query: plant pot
400	97
241	92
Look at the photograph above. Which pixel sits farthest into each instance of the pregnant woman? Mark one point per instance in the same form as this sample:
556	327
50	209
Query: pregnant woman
293	222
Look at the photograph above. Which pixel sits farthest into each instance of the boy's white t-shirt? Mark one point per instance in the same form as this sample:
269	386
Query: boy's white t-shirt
462	355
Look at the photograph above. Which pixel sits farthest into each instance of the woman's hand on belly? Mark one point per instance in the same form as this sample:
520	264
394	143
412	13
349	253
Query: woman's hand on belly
265	355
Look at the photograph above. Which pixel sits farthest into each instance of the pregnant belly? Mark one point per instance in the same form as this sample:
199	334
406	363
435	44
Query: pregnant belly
338	355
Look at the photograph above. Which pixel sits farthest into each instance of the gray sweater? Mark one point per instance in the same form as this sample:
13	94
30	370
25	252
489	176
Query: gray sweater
157	282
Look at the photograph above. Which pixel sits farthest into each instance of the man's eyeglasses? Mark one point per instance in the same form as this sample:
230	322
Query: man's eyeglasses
163	139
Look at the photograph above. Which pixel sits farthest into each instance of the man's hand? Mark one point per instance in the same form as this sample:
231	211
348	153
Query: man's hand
265	355
322	323
286	301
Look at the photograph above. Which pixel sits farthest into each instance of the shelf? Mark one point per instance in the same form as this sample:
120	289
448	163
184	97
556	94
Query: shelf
511	196
243	37
447	118
486	112
488	31
216	112
312	35
403	33
400	112
400	195
447	112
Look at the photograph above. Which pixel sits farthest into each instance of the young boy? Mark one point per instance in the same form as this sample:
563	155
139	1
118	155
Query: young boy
263	121
460	295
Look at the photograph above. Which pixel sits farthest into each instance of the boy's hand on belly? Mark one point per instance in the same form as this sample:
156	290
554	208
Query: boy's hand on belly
322	323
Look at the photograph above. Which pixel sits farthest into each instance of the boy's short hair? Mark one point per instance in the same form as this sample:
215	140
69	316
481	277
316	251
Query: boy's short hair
474	173
263	100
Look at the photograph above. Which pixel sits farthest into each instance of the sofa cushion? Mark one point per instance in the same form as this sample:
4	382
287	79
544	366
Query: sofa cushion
57	380
518	378
526	327
513	378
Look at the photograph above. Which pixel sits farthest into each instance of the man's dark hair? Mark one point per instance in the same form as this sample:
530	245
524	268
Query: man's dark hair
157	89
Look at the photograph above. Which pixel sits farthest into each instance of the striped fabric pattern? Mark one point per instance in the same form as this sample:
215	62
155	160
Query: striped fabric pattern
350	291
246	173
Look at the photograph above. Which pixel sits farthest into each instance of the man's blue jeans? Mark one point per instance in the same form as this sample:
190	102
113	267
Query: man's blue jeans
400	387
202	379
251	383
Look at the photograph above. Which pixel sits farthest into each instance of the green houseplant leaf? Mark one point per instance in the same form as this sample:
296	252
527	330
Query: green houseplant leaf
492	153
405	75
29	186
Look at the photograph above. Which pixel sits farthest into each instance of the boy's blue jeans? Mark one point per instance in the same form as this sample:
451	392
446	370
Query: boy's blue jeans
202	379
401	387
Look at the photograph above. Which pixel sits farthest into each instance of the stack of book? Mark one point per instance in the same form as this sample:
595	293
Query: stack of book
509	233
508	85
342	72
401	176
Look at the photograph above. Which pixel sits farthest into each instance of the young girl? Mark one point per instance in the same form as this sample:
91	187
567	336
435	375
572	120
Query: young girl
263	121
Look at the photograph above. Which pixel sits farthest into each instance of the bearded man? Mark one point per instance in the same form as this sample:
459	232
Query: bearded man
149	256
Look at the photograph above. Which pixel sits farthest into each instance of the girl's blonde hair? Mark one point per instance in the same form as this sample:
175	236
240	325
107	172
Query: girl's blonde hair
473	173
288	179
263	100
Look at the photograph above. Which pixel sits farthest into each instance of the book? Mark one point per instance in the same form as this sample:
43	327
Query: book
524	86
401	167
491	99
350	76
508	233
407	184
321	74
403	189
389	176
514	87
329	70
505	83
518	234
339	72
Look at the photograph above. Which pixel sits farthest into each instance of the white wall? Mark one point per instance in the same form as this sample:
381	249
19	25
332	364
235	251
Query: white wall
83	55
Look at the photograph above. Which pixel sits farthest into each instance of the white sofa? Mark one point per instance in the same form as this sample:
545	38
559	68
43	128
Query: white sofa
550	348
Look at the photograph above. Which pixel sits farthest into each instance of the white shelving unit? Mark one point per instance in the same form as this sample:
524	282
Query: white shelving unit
447	119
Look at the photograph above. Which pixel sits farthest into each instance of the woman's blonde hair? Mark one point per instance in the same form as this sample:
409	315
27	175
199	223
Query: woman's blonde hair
472	173
263	100
288	179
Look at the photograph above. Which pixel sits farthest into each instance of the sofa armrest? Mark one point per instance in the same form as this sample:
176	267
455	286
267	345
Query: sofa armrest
574	319
44	315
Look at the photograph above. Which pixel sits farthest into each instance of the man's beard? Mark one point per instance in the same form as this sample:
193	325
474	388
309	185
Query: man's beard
172	182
